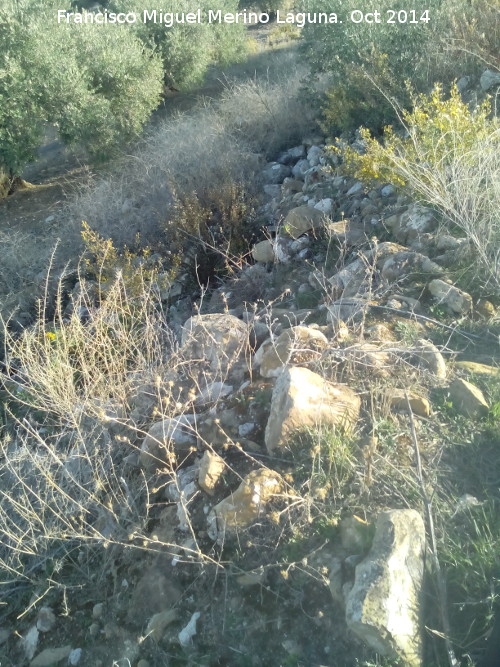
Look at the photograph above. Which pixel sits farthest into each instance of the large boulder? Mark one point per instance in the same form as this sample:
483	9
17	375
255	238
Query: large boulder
304	399
220	339
383	606
297	345
302	219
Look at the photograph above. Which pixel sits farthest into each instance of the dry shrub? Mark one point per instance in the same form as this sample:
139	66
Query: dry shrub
65	386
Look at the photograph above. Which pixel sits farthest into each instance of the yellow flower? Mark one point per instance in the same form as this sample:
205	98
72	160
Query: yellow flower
50	335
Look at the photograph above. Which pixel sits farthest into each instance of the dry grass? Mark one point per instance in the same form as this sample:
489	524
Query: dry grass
66	383
216	145
464	185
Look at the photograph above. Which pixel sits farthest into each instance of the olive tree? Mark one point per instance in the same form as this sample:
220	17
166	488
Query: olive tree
187	50
365	58
97	84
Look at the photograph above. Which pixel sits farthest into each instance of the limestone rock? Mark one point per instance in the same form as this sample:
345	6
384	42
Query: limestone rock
51	656
314	155
453	298
300	168
253	577
46	619
75	656
292	186
430	357
402	264
355	534
263	251
348	281
211	468
485	308
324	205
245	504
477	369
489	79
275	172
347	232
218	338
153	593
368	357
383	606
446	242
415	221
297	345
346	310
468	399
273	191
213	392
167	438
302	219
379	332
355	189
295	153
189	631
29	642
420	406
351	280
158	623
302	399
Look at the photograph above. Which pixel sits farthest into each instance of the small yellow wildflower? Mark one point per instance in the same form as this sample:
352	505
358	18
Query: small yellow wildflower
50	335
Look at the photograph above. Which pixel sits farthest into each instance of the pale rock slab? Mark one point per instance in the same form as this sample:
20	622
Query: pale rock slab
450	296
211	468
414	222
383	606
165	439
263	251
419	405
302	219
489	79
218	338
304	399
51	656
246	504
431	358
297	345
468	399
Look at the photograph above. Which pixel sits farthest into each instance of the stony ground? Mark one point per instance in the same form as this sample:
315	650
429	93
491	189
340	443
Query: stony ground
287	432
260	491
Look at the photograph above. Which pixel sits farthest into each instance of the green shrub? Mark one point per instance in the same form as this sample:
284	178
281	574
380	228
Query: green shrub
96	83
450	159
187	50
369	63
270	6
364	59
